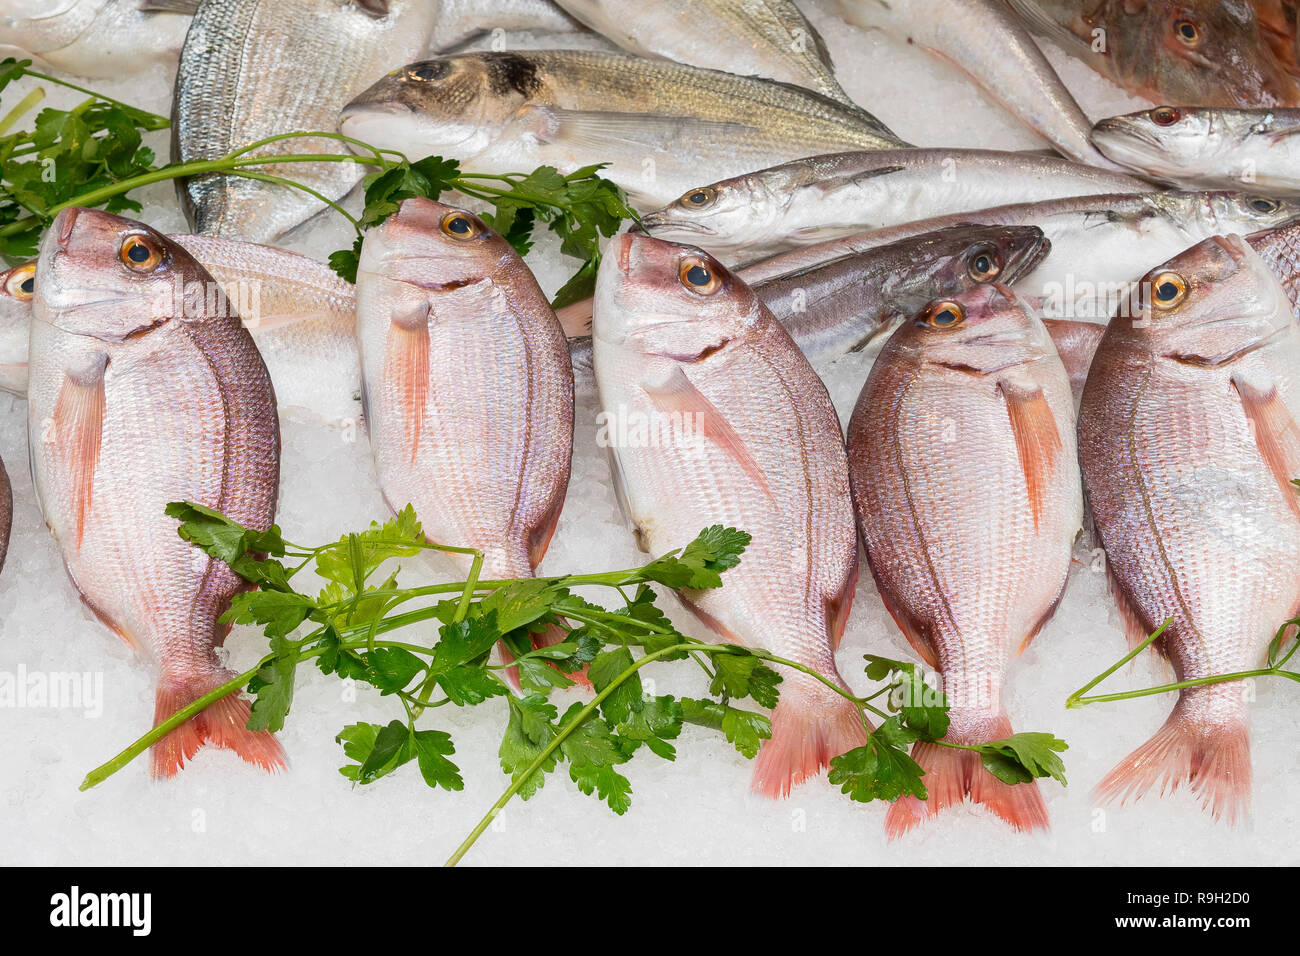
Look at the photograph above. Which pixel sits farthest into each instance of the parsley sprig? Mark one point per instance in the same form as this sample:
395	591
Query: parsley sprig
351	627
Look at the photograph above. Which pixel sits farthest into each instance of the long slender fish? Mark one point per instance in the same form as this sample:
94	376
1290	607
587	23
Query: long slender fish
469	389
460	21
251	69
656	123
101	38
1189	443
1209	148
135	402
966	486
767	38
812	200
746	436
1179	52
984	40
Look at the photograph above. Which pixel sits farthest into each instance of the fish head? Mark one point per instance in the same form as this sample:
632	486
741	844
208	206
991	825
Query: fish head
1207	304
109	277
949	261
982	329
451	105
1168	141
1227	212
429	247
673	300
720	215
17	286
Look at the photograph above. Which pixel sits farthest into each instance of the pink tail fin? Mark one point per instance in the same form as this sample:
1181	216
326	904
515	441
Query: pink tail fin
1212	759
554	634
223	725
953	775
811	724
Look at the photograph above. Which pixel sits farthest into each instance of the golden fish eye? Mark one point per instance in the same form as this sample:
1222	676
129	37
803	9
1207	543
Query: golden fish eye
944	314
140	253
1165	116
1188	32
1168	290
699	198
21	283
1262	204
699	276
460	226
984	265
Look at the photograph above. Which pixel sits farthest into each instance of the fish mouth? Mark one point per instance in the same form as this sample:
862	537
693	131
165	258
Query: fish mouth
656	220
1123	134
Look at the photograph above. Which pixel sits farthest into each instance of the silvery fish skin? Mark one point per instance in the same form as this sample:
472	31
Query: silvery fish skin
1189	442
132	404
746	437
1100	244
655	122
812	200
986	42
966	486
469	389
256	68
100	38
1208	148
1179	52
767	38
460	21
301	314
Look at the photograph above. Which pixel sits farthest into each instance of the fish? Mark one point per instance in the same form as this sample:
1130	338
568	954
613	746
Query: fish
134	403
302	316
1188	442
6	513
101	39
469	387
1171	52
1208	147
655	123
1100	244
460	21
966	489
765	38
745	435
1280	250
760	214
986	42
251	69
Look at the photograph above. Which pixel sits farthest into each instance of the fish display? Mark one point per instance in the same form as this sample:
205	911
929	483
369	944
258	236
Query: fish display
812	200
655	123
100	38
469	388
1188	442
970	547
233	90
748	439
134	402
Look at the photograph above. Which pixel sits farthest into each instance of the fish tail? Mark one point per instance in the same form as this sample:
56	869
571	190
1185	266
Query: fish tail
518	565
222	724
558	634
1211	757
952	776
810	725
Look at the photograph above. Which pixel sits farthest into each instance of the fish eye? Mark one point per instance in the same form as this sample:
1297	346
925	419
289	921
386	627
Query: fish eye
984	265
699	198
460	226
21	283
140	253
1168	290
1262	204
1165	116
424	72
698	276
944	314
1187	32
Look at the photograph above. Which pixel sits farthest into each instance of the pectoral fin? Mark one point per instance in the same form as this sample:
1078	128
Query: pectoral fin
406	370
78	430
1276	434
1038	442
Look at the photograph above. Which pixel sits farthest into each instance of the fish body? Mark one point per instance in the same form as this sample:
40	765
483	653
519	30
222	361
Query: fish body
966	486
251	69
469	388
746	437
655	123
6	513
759	214
100	38
132	404
1188	441
767	38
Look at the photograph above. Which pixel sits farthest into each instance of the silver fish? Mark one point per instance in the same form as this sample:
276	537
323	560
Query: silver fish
655	123
811	200
251	69
101	38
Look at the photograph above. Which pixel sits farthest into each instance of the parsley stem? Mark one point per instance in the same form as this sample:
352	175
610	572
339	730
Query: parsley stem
25	104
152	121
